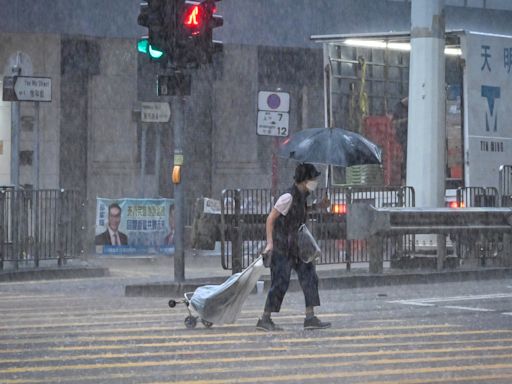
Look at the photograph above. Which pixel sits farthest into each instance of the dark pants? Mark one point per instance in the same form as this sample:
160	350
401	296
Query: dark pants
280	270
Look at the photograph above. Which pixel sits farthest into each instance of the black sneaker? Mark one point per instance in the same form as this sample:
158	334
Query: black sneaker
267	325
315	323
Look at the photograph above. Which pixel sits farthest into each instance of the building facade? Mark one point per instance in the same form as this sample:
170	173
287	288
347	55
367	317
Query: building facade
91	134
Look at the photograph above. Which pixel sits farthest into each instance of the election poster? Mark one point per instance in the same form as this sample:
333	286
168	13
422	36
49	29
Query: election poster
134	226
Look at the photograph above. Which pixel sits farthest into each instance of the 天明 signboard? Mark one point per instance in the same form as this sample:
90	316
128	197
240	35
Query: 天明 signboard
487	94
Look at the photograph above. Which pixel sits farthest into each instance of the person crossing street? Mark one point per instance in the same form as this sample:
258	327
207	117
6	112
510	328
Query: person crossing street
282	227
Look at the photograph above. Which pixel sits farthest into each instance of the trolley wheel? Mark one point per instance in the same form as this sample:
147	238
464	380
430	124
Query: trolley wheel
206	323
172	303
190	322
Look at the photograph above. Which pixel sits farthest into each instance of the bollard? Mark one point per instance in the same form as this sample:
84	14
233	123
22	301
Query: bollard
237	236
348	242
441	251
375	254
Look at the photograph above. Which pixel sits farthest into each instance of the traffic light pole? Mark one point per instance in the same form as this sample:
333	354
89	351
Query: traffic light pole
178	107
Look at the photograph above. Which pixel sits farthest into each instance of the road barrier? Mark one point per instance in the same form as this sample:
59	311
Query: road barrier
244	212
365	221
39	225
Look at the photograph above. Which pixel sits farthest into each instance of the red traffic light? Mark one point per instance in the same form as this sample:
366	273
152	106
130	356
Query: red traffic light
193	18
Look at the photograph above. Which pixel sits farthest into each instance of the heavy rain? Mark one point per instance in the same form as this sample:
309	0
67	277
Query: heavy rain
265	191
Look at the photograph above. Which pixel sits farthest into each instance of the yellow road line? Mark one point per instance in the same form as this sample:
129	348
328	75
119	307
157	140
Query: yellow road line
106	356
188	343
481	378
218	327
20	324
253	359
403	335
344	345
213	334
341	375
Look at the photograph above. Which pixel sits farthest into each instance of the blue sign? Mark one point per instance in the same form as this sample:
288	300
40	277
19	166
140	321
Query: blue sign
134	226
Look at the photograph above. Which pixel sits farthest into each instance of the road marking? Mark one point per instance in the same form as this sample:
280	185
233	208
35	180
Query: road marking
469	308
197	352
452	298
344	345
340	375
248	359
435	301
211	334
481	378
507	313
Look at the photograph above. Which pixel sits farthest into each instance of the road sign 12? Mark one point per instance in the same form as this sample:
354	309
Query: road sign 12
273	123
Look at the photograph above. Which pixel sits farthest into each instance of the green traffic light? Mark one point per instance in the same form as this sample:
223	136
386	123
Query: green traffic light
155	53
143	46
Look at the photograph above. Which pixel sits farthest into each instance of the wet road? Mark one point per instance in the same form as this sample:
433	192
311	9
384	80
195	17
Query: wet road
86	331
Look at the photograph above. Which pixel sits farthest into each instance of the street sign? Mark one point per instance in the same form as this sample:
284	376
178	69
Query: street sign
155	112
274	101
29	88
273	123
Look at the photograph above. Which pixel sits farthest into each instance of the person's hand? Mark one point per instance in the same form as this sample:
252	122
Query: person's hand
324	203
268	248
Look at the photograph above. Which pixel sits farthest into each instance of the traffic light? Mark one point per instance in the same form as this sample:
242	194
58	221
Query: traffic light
194	37
179	31
153	15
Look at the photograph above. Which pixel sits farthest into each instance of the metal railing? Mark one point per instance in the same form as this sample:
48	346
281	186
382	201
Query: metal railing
39	225
478	197
489	248
244	212
505	185
470	224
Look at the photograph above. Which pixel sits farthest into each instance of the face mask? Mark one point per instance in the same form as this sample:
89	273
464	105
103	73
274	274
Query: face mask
311	185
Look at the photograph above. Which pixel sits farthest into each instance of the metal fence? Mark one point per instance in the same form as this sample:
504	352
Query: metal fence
477	197
505	185
488	248
244	212
39	225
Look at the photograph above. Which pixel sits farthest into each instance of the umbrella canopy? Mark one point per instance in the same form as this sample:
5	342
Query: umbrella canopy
332	146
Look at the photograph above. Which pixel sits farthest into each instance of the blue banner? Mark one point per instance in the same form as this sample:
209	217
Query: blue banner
134	226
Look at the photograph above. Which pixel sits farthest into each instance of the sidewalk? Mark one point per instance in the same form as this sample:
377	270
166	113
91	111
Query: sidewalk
153	275
205	269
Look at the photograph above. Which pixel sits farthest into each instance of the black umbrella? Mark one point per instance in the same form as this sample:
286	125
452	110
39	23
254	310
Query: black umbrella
333	146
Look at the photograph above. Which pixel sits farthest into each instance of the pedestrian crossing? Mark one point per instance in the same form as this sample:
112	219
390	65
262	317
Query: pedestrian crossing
69	339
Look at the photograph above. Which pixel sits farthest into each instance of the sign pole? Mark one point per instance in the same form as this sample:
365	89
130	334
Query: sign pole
157	159
15	144
37	145
275	175
143	159
178	104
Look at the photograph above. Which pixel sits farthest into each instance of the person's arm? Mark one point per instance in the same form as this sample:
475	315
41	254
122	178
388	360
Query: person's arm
322	205
269	228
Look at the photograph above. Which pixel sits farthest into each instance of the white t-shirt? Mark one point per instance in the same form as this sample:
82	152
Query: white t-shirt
284	203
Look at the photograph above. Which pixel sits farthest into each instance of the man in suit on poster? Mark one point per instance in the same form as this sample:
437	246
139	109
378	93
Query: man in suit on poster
112	236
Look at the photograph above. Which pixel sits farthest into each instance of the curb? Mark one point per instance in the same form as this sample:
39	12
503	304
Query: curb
178	289
53	273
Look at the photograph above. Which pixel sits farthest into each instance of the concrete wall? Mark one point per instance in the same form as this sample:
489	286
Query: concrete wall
5	140
90	132
44	51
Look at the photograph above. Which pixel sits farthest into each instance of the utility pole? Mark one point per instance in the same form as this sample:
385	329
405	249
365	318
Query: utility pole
178	106
426	120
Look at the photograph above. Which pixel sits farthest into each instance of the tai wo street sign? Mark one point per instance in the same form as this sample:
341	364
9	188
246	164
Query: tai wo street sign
27	88
155	112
